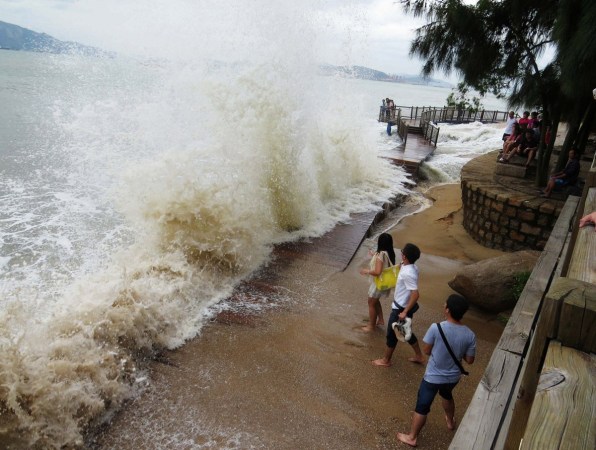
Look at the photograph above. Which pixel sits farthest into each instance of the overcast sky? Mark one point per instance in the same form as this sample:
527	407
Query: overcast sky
372	33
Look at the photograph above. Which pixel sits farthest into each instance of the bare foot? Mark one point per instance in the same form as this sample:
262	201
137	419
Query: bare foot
380	323
380	362
450	423
367	329
417	360
406	439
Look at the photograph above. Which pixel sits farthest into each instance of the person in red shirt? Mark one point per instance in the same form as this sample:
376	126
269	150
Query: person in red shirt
525	121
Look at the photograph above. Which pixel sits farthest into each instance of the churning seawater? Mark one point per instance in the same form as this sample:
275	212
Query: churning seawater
136	193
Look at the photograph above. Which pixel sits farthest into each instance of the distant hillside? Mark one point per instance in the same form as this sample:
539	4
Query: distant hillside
366	73
13	37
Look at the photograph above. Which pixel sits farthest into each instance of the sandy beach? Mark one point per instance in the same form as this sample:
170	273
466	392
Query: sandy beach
299	375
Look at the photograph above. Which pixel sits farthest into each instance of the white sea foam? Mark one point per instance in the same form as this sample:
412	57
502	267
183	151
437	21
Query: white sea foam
151	191
457	145
146	189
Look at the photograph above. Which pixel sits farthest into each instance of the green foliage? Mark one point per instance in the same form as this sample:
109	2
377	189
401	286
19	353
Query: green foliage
496	46
519	283
461	101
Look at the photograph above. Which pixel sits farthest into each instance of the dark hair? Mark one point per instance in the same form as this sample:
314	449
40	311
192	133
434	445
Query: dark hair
457	306
385	244
411	252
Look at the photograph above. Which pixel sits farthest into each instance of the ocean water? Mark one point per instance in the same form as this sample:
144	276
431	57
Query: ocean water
135	193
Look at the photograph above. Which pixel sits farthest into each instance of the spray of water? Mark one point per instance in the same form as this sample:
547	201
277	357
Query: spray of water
165	181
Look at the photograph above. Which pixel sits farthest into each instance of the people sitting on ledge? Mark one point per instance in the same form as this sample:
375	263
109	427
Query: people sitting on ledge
525	145
566	177
509	143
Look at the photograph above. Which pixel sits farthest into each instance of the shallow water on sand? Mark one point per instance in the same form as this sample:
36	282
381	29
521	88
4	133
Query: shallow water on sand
299	376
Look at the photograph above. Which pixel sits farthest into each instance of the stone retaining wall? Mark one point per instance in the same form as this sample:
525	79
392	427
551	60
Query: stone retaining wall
503	212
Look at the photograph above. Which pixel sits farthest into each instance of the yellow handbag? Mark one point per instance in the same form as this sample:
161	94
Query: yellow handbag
388	277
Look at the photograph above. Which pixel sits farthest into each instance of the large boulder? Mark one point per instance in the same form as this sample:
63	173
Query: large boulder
488	284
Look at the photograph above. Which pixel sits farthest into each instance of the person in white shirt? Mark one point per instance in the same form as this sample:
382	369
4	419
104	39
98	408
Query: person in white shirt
509	125
405	304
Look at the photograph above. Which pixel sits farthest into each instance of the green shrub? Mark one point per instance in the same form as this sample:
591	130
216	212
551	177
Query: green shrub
519	282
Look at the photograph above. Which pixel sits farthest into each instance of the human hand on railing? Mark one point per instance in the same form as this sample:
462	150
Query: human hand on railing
588	219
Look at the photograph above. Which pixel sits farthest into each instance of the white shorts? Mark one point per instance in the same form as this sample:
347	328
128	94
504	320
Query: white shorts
373	292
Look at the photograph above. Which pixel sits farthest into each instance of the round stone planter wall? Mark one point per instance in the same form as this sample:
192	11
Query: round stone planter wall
503	212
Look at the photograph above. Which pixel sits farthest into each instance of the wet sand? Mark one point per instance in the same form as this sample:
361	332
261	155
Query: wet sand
299	375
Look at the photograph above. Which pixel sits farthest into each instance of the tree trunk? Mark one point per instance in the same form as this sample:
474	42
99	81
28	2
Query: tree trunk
545	151
572	130
585	128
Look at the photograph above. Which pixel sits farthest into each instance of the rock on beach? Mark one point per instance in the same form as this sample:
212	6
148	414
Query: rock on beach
488	284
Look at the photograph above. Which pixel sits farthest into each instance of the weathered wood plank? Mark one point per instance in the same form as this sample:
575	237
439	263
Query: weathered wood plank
572	312
516	333
487	421
482	420
553	302
528	378
589	184
563	416
577	325
588	336
582	265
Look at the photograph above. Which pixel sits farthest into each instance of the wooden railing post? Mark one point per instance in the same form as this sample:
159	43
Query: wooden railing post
507	383
590	183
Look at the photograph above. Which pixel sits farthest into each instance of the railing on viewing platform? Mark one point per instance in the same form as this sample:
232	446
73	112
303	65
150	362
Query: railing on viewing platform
431	133
442	114
388	114
402	130
454	115
429	130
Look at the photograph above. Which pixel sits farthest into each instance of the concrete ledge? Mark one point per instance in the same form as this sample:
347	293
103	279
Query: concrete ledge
511	170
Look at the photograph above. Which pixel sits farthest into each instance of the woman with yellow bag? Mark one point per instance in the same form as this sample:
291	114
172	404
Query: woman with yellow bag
384	272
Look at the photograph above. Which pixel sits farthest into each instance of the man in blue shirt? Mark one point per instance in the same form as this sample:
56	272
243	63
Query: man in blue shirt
442	372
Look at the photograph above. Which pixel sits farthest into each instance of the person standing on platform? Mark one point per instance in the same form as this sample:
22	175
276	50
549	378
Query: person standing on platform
405	304
444	366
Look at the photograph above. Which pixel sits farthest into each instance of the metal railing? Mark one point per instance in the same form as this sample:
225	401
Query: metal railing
402	130
442	114
431	133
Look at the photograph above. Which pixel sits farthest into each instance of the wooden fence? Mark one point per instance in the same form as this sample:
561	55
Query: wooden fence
553	323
